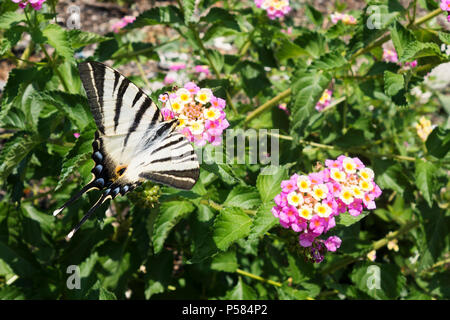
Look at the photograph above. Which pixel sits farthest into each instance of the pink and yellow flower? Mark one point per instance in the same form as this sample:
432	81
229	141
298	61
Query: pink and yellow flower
200	114
308	204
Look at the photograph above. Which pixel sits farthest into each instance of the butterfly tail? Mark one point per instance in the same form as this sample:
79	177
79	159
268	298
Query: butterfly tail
88	214
86	188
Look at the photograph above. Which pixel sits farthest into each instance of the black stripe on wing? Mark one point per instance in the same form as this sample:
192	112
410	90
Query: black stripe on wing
181	179
92	76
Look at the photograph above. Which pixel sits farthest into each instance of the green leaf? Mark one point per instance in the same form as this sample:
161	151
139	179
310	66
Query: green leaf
9	18
424	175
329	62
314	15
98	292
77	156
289	50
79	38
393	83
269	185
416	49
379	281
75	106
14	151
307	88
170	214
445	37
243	197
390	175
346	219
401	37
435	234
263	221
438	142
188	9
58	38
225	261
158	15
241	292
313	42
224	17
230	225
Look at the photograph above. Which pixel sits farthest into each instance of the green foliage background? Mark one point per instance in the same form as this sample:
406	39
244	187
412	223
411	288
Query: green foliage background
219	240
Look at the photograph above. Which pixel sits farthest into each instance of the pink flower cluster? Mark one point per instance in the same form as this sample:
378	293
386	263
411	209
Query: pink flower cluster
201	70
309	203
345	18
445	6
391	56
122	23
275	8
324	100
200	114
36	4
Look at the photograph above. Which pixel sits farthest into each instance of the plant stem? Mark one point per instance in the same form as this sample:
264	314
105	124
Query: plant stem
145	50
267	105
141	71
254	276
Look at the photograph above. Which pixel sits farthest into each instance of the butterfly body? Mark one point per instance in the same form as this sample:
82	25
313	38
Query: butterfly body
133	143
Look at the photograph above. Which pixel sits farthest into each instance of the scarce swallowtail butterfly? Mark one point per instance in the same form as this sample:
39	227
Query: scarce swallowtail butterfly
133	143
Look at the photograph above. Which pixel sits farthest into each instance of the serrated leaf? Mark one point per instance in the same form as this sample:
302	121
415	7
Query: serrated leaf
346	219
98	292
170	214
269	185
393	83
314	15
58	38
9	18
188	9
243	197
417	49
241	292
73	105
308	86
288	50
424	175
16	149
225	261
263	221
160	15
445	37
329	62
401	37
79	38
230	225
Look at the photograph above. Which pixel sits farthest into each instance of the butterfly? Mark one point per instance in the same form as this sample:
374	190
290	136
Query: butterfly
133	143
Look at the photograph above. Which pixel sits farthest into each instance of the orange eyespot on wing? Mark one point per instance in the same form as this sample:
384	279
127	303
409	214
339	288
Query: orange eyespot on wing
120	170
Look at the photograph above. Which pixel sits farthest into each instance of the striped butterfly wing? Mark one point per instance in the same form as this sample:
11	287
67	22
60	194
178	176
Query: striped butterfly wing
132	143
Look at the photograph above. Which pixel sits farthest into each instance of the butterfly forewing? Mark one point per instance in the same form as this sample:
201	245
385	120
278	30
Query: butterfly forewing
132	143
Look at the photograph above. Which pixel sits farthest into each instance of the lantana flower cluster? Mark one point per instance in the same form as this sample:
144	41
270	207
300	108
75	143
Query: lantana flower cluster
36	4
122	23
275	8
201	115
324	100
445	6
424	128
308	204
344	17
390	55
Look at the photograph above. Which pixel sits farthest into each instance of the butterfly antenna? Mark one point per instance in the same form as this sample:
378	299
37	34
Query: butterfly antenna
88	214
85	189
